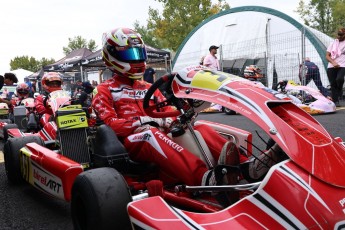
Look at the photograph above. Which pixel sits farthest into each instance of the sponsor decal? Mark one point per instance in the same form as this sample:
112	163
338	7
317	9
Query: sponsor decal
142	137
342	203
135	93
46	181
68	121
167	140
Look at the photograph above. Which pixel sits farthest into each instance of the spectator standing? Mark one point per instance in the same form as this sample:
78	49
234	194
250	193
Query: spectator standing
312	72
88	88
335	56
149	74
211	59
73	88
34	86
9	80
28	83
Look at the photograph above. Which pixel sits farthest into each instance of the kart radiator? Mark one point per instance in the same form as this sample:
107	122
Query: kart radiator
72	133
73	145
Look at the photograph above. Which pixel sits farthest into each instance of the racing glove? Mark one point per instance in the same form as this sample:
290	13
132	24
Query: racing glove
156	122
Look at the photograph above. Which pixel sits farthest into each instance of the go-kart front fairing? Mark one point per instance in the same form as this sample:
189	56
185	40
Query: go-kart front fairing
301	137
294	194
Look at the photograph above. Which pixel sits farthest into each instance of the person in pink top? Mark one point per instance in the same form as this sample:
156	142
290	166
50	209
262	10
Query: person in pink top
335	55
211	60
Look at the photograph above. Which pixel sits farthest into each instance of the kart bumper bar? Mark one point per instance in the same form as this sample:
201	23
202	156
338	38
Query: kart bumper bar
219	188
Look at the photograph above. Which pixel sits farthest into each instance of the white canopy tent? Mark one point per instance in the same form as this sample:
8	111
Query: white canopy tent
251	35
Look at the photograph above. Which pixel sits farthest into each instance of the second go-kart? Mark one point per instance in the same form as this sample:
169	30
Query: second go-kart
309	99
30	123
109	191
23	117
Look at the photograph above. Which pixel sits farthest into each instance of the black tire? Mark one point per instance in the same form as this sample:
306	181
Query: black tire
99	200
229	111
7	127
12	156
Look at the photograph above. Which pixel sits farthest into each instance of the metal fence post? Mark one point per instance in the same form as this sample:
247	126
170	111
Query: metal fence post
221	57
302	69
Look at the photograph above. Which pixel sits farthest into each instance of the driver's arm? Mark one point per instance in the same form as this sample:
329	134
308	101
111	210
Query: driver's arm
39	106
102	104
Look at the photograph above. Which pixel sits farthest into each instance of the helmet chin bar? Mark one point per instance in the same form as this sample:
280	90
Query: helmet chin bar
135	77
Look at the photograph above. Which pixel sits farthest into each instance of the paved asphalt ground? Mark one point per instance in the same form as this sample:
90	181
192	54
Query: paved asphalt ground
23	207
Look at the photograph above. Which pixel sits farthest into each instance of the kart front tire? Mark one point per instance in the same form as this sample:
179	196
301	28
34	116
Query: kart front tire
12	156
99	200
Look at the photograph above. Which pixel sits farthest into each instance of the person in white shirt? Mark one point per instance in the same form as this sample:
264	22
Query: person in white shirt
335	56
211	59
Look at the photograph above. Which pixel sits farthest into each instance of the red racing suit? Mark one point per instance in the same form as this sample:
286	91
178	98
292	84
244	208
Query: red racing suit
39	105
119	102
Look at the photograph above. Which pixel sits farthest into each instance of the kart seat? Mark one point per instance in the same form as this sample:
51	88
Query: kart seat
107	143
110	152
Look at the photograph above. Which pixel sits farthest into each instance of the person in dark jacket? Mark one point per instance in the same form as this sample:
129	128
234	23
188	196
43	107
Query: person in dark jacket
312	72
150	75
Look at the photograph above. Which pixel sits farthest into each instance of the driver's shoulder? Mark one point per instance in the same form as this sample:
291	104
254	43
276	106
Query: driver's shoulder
143	84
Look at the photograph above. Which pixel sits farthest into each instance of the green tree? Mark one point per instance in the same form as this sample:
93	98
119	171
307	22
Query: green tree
338	8
31	64
24	62
148	35
45	61
77	43
179	18
324	15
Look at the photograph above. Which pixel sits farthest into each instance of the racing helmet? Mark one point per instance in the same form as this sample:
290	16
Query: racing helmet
23	90
51	82
124	52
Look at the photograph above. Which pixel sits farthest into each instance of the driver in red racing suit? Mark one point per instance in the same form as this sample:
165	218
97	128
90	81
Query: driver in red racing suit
50	82
119	103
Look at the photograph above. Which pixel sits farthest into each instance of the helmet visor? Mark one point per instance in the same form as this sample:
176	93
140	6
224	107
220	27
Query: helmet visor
132	54
53	83
22	91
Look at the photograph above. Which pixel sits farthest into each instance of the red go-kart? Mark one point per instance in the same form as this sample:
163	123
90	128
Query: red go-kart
109	191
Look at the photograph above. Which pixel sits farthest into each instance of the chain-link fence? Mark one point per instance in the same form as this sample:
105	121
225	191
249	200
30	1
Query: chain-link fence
279	56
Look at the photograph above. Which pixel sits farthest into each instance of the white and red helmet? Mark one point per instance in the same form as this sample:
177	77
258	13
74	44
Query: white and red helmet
51	82
252	71
23	90
124	52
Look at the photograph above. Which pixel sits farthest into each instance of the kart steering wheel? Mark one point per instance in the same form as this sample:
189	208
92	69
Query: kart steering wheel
153	110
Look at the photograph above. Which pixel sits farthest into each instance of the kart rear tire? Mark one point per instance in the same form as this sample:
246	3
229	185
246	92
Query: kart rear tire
7	127
229	111
99	200
12	156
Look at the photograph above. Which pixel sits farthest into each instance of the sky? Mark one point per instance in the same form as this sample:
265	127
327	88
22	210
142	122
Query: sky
41	28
